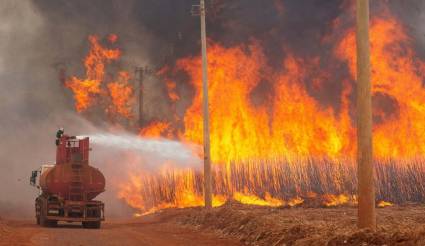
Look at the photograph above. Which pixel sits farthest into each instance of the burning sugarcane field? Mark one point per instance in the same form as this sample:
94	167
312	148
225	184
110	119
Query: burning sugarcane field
212	122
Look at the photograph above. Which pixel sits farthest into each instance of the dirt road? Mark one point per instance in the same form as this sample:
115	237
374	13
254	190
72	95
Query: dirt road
152	230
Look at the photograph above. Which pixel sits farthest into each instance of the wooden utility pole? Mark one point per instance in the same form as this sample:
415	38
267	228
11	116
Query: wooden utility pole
140	73
60	67
207	159
366	186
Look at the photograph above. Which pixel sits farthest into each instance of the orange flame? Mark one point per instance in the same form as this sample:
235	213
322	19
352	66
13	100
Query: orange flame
121	93
240	130
247	198
171	88
288	125
397	75
293	124
185	193
335	200
85	89
383	204
157	130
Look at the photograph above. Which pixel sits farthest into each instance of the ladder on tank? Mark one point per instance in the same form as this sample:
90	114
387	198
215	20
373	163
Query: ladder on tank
76	191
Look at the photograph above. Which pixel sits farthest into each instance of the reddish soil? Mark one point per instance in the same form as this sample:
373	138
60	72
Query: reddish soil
155	230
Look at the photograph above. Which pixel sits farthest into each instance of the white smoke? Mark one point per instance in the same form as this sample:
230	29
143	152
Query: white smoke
157	150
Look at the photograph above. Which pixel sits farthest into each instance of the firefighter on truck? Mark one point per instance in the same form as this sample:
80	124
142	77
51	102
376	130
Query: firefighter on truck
59	134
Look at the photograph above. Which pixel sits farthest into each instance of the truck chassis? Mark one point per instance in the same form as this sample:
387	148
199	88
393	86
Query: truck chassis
51	209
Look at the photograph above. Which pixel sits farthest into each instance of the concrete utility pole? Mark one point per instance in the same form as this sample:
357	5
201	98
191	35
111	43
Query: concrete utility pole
366	186
207	159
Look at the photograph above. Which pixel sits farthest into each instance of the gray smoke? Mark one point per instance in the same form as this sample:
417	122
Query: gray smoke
26	103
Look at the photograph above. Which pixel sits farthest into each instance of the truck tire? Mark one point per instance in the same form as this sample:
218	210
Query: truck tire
42	217
52	223
37	211
47	223
42	220
91	224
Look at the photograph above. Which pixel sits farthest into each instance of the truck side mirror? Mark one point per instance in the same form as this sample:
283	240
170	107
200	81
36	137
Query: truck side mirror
33	178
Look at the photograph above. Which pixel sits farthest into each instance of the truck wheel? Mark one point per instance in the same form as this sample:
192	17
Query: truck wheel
37	211
52	223
96	224
91	224
48	223
45	222
42	220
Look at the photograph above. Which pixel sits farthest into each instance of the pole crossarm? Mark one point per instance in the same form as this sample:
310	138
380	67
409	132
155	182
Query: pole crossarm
195	10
